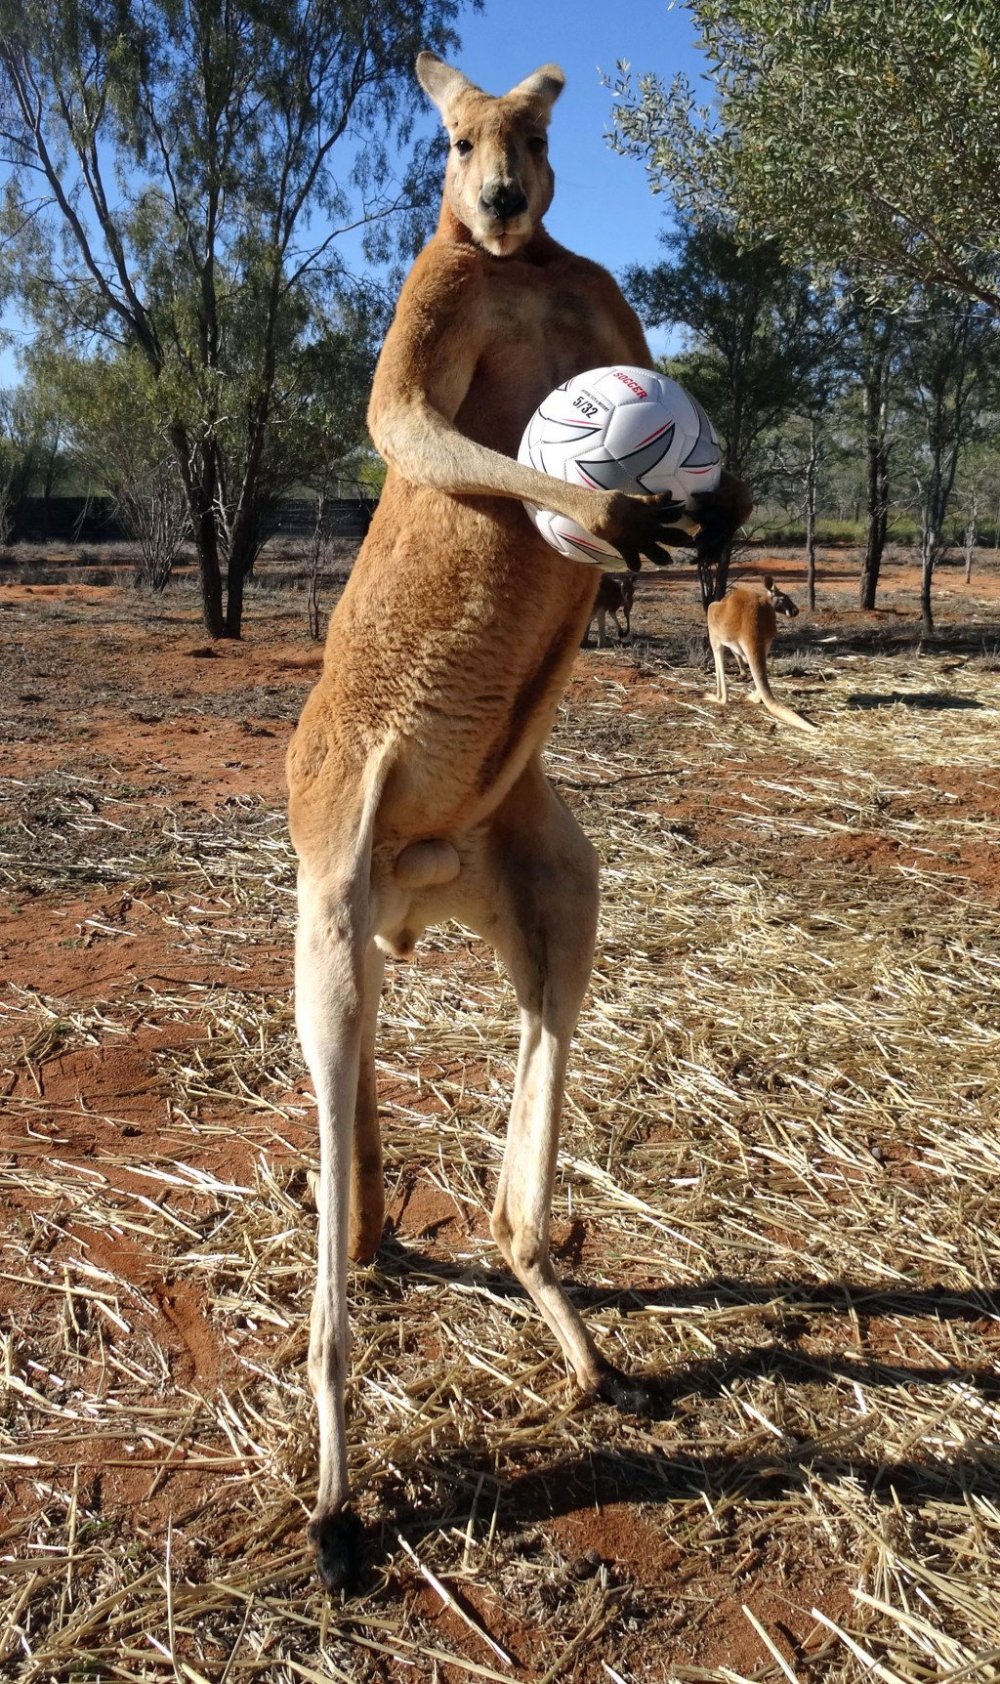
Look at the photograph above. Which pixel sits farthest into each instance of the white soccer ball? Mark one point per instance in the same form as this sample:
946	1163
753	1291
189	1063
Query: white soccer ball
618	429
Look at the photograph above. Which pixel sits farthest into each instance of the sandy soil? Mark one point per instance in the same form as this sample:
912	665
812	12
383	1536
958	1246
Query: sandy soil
126	735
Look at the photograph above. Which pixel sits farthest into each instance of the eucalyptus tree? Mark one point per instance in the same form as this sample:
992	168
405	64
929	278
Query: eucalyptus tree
951	365
760	339
860	137
180	171
872	350
977	492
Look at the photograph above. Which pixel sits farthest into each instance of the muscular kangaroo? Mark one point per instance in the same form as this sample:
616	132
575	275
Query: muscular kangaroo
746	623
417	790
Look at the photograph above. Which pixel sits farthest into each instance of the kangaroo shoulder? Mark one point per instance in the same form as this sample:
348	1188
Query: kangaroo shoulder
446	280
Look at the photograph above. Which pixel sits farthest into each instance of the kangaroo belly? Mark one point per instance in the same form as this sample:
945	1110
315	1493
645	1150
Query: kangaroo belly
456	633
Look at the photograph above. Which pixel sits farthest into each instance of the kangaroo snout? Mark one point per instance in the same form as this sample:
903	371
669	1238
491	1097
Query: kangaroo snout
503	200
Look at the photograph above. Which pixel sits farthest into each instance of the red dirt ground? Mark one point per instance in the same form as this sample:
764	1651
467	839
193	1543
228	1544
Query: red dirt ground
96	690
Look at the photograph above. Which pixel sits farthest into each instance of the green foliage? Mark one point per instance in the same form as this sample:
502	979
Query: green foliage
113	412
861	137
761	336
775	526
182	171
21	439
952	363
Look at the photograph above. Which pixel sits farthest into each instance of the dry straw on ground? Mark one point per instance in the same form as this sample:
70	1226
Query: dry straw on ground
779	1191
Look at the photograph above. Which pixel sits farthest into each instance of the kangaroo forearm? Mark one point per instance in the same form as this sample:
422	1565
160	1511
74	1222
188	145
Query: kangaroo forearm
429	451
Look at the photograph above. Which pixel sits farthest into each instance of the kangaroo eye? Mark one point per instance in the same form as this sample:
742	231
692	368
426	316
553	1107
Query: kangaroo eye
536	144
463	148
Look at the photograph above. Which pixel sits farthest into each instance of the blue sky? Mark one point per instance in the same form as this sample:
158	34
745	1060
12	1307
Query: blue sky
603	207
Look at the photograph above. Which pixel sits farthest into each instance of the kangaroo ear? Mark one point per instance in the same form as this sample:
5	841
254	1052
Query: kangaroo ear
440	82
768	582
540	90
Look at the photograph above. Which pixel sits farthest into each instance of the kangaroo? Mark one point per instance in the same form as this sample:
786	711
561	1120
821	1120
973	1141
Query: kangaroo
417	792
746	622
615	595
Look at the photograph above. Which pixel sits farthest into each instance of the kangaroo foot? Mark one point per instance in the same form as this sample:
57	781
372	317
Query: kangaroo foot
631	1396
339	1541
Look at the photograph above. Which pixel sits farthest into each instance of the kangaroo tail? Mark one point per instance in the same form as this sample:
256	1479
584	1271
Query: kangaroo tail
769	700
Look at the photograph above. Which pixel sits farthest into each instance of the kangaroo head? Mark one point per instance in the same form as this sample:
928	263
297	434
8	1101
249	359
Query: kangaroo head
498	181
781	603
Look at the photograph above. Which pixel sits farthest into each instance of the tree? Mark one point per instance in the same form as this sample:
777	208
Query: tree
761	339
977	489
120	440
860	137
799	452
181	172
32	435
871	355
951	363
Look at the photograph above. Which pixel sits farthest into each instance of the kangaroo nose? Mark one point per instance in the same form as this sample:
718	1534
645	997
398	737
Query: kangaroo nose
503	199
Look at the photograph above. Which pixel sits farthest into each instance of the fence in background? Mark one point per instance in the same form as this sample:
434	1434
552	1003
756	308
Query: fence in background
93	520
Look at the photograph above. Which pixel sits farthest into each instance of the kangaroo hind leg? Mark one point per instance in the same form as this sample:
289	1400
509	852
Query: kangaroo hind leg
542	883
337	981
367	1197
719	657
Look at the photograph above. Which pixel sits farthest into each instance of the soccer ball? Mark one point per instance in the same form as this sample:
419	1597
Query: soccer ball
618	429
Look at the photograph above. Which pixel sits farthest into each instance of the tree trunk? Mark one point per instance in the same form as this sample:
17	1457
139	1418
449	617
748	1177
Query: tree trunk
877	458
236	574
971	536
200	493
312	603
926	613
207	545
811	476
243	538
934	510
929	546
877	520
243	550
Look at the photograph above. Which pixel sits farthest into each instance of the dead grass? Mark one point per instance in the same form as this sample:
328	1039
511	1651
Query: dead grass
777	1192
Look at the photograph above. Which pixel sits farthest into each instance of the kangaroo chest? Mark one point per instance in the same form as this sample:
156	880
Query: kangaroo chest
544	327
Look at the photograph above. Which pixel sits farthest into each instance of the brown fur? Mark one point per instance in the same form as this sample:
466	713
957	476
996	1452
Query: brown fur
745	622
417	792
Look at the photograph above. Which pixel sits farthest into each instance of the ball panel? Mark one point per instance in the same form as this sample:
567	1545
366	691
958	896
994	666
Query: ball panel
618	428
704	453
630	423
570	539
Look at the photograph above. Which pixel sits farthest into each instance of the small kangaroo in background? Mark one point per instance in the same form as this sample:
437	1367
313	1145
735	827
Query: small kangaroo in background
615	595
746	622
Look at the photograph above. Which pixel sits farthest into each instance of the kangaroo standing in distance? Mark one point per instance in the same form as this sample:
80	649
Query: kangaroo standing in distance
416	787
615	595
746	622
